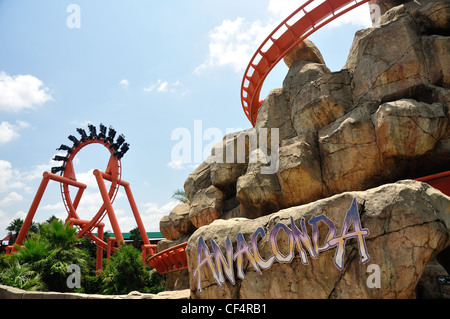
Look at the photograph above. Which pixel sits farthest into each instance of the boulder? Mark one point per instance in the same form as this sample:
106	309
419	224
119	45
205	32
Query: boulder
402	227
304	51
275	112
179	217
321	101
300	161
206	206
386	5
200	178
437	57
258	193
349	153
229	161
391	70
167	230
301	73
177	223
408	128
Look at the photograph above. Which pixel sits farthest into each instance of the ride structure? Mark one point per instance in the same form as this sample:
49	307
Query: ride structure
67	177
304	21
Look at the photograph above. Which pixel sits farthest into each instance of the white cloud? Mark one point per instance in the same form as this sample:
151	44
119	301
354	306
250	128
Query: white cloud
9	132
359	17
11	199
153	213
162	86
282	9
152	208
234	42
21	92
13	178
125	83
9	177
88	178
176	164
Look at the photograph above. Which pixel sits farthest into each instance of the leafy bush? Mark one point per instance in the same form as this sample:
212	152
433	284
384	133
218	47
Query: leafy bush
126	272
50	252
21	276
42	263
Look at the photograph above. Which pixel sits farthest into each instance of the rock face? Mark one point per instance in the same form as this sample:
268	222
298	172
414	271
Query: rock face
384	117
408	224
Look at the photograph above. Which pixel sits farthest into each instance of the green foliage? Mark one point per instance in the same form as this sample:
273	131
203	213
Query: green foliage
21	276
42	263
180	196
50	252
58	234
136	237
33	250
126	272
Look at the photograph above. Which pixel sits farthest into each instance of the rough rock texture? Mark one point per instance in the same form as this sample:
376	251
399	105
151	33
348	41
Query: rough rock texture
384	117
206	206
305	51
7	292
177	223
409	224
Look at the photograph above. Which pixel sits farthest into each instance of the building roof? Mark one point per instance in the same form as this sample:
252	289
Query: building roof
7	237
151	235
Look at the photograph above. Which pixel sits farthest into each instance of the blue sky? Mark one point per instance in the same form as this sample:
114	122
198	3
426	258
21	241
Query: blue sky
144	67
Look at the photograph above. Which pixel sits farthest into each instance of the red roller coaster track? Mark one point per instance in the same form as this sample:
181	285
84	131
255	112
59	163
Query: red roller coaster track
307	19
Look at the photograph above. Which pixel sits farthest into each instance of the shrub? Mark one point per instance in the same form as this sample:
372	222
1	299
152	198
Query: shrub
126	272
21	276
50	252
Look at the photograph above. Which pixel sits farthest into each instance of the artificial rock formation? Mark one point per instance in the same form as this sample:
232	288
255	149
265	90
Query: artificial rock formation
409	224
384	117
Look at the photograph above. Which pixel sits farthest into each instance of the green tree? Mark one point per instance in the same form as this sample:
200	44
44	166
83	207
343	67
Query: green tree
136	237
51	219
180	195
58	234
13	229
15	226
51	252
126	272
33	251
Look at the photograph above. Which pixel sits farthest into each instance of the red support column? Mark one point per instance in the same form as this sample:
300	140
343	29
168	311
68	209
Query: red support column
32	211
99	264
109	208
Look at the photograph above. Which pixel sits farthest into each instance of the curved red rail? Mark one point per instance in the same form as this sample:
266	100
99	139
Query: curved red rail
293	30
440	181
169	260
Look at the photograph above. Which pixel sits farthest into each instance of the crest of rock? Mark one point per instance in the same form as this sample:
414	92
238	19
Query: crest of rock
304	51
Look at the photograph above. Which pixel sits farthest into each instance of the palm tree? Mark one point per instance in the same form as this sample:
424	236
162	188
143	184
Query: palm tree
180	195
136	237
51	219
58	234
51	252
126	272
21	276
15	226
